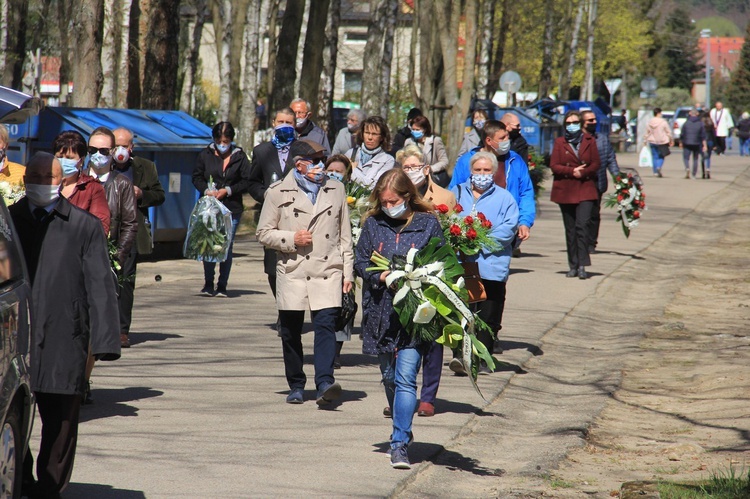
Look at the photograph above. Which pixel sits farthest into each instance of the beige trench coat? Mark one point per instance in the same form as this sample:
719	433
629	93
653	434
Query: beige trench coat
310	277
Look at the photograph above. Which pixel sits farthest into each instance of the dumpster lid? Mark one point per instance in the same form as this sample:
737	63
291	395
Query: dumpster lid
16	107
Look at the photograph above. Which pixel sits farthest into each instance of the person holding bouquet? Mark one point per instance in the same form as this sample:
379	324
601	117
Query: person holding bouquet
480	195
398	221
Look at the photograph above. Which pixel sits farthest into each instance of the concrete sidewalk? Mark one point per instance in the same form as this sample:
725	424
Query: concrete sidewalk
196	407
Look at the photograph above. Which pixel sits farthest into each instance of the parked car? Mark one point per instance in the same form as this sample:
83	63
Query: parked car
678	119
16	398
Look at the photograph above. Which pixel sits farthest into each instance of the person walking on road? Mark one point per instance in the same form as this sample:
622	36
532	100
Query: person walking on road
659	138
398	221
518	143
472	138
575	164
305	127
743	133
692	141
432	148
723	122
305	219
710	129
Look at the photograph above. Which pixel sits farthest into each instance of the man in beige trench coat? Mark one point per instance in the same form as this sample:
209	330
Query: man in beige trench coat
305	218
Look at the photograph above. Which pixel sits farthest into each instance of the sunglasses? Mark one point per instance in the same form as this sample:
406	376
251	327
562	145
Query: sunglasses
104	151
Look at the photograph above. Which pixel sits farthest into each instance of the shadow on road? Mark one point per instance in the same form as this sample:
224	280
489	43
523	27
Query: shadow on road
534	350
111	402
138	338
98	491
439	456
443	406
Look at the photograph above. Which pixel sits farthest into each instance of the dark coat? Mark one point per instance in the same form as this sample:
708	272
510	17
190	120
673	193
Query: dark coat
264	164
73	299
608	160
693	132
236	177
381	328
146	178
567	189
314	133
743	128
520	147
123	225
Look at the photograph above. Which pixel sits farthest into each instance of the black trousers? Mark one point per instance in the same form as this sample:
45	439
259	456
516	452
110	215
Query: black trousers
596	218
324	345
576	219
57	450
721	144
491	311
127	292
269	267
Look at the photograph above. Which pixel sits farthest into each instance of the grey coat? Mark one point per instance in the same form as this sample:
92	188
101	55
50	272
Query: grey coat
609	162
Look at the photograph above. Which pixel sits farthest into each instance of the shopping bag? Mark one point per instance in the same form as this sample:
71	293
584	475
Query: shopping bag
645	160
209	231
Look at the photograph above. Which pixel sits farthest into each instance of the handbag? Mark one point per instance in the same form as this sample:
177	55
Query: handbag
473	282
664	150
348	310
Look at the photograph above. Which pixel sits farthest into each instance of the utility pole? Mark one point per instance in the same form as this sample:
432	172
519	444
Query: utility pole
706	33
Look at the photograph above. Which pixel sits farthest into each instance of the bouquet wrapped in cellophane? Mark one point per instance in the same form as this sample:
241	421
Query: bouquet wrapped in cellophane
431	301
358	200
209	230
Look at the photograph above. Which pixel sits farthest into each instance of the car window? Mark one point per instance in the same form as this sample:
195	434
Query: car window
682	113
11	262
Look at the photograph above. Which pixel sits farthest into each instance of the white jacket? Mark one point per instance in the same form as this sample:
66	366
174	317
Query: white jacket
722	121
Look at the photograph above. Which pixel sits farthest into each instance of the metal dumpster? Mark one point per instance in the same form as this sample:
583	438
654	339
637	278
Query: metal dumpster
171	139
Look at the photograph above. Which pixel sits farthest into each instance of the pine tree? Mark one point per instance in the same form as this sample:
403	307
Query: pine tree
680	50
738	93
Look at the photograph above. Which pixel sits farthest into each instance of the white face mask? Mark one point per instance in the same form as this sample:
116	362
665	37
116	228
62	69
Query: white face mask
503	147
122	155
99	161
42	195
395	211
417	177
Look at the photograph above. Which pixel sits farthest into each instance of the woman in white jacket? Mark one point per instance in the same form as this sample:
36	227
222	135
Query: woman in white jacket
432	148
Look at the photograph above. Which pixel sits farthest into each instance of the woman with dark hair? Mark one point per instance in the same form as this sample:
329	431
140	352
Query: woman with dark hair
80	189
574	164
398	221
472	138
370	158
338	167
227	165
432	148
708	125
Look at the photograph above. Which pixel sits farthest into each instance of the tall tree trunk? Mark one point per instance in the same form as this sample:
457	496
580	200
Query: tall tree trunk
4	54
86	65
273	48
63	12
189	64
223	12
160	72
385	73
134	55
121	83
497	60
239	11
285	72
301	49
568	76
588	80
431	57
485	47
312	59
545	75
15	14
110	36
373	58
413	44
246	129
330	57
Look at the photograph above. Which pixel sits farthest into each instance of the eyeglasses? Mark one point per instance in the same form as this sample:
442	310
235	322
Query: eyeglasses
572	122
371	134
104	151
412	168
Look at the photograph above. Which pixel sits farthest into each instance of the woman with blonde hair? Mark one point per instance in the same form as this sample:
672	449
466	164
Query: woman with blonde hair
399	220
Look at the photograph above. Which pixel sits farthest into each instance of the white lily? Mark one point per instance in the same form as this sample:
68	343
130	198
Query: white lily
425	312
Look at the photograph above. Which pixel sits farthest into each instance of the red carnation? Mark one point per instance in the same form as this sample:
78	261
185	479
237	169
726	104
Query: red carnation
636	214
471	234
455	230
486	224
619	198
458	208
481	216
441	208
469	220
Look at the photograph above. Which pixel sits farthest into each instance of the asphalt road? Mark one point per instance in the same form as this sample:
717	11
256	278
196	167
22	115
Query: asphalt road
196	407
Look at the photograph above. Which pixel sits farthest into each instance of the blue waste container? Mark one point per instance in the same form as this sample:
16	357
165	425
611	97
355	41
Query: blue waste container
171	139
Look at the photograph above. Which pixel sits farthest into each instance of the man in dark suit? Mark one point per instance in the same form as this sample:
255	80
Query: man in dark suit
73	306
268	166
148	192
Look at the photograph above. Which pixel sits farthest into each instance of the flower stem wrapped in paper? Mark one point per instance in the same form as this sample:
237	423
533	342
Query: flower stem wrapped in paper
431	301
358	200
628	198
209	230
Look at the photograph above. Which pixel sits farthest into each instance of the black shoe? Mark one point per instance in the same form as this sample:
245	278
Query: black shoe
496	348
221	291
572	273
87	397
708	175
208	290
337	364
582	273
327	393
296	396
484	369
387	412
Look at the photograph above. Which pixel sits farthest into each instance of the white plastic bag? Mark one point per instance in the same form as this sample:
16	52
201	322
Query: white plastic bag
645	160
209	230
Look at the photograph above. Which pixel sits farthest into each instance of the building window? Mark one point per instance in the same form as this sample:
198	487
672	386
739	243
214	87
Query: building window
355	37
352	85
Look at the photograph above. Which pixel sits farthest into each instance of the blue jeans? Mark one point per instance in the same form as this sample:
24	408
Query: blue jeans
656	158
209	268
400	380
745	147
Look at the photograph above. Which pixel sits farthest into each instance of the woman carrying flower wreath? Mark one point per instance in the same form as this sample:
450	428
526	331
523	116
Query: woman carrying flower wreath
481	197
398	221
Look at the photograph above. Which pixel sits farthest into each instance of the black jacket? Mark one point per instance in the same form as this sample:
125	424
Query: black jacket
123	225
693	133
146	178
73	299
236	177
399	139
520	147
264	164
743	129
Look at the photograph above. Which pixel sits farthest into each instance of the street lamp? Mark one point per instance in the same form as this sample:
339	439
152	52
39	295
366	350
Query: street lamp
706	33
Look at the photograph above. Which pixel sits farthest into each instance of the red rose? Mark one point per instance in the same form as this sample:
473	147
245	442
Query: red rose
471	234
481	216
619	198
468	220
486	224
636	214
441	208
458	208
455	230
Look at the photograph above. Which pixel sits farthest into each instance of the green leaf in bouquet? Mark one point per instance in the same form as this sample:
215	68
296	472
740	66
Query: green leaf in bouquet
481	351
438	300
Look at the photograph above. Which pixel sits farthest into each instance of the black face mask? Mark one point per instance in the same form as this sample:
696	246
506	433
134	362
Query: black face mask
514	134
591	128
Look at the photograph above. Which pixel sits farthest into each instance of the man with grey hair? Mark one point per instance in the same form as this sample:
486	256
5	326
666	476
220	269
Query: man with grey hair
306	129
346	139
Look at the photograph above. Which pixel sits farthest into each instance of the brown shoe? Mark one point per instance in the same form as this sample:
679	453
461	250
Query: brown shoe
426	410
124	341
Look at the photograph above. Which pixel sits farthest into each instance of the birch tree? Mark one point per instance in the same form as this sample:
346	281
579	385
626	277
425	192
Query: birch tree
487	19
330	56
587	92
371	77
4	15
189	60
13	16
115	38
251	40
285	72
499	56
222	18
312	60
545	75
86	65
160	72
387	58
273	47
567	73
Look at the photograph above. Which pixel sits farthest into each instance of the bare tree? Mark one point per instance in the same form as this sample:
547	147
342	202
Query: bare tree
273	47
189	59
545	74
63	12
385	72
285	72
373	57
312	60
4	14
140	12
568	73
13	15
160	72
587	91
222	21
239	11
330	56
246	129
485	47
115	40
499	56
86	65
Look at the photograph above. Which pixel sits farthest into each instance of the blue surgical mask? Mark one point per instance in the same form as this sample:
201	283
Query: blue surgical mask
222	148
335	176
99	160
395	211
573	128
417	134
69	166
481	182
479	124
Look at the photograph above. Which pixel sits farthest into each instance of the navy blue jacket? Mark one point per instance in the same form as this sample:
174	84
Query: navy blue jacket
608	159
381	328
